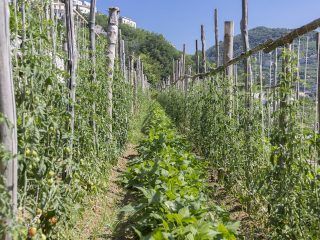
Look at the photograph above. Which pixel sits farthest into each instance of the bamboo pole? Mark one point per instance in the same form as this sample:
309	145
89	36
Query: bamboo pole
275	80
135	88
138	69
131	80
203	51
53	34
8	128
123	57
72	63
184	60
112	35
298	70
216	35
187	79
173	71
197	59
141	75
305	76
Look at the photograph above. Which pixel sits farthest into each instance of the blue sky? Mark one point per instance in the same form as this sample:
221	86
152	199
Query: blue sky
179	20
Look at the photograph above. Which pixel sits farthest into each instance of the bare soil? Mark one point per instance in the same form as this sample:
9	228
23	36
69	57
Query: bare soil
103	219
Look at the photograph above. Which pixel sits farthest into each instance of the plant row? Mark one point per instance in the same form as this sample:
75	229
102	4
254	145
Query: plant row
169	184
265	154
54	180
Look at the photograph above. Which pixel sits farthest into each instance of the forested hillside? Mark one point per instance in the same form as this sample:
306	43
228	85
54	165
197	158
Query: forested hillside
155	51
259	35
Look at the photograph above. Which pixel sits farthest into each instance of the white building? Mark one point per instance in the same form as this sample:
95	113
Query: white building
79	5
82	6
128	21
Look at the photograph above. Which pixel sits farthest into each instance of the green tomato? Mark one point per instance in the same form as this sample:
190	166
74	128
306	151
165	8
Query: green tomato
39	211
50	181
67	150
28	152
43	237
34	153
51	174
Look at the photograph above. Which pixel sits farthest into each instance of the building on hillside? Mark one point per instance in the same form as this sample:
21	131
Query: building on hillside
128	21
79	5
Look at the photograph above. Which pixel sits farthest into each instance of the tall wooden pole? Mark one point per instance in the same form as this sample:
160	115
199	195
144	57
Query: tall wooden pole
72	62
173	71
112	35
228	46
123	57
92	56
245	41
131	80
203	51
53	33
227	56
275	80
138	69
8	133
197	58
184	60
318	83
216	35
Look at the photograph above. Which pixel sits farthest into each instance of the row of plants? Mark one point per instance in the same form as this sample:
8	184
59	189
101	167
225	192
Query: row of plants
170	188
268	159
54	179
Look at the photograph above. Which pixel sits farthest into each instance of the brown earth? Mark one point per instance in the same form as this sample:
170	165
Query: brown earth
102	219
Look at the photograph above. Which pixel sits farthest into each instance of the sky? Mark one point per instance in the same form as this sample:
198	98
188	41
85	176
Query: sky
179	20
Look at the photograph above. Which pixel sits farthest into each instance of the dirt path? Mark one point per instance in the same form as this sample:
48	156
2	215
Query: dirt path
101	220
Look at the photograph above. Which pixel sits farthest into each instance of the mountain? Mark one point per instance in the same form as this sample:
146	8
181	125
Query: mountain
259	35
155	51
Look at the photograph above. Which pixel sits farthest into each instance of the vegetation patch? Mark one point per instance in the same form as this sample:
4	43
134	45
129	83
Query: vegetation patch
170	187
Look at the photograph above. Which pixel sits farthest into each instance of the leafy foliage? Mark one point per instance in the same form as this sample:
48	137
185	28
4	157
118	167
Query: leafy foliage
170	185
54	179
269	159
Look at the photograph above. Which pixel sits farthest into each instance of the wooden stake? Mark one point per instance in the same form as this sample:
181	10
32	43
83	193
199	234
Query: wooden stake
123	57
203	51
184	60
197	59
298	71
228	55
275	80
112	34
72	63
318	82
228	46
92	56
8	128
216	34
246	61
131	80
